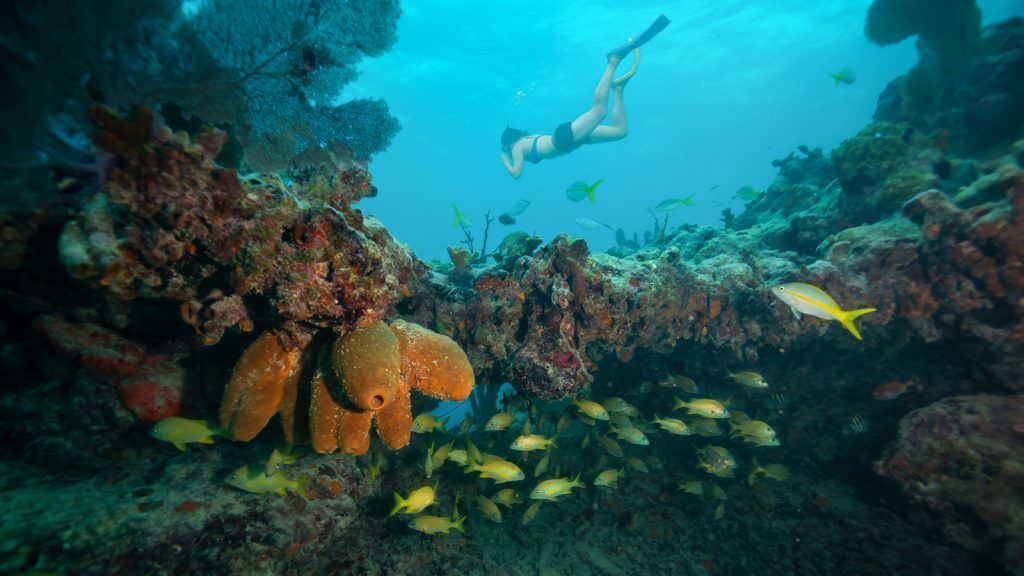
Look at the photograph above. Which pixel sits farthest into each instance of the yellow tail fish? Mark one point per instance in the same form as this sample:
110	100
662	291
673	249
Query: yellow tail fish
813	301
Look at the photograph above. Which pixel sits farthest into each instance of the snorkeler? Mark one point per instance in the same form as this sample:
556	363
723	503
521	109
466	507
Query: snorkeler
519	146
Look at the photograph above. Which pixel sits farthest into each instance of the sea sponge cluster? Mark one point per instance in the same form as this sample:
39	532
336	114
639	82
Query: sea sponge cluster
363	378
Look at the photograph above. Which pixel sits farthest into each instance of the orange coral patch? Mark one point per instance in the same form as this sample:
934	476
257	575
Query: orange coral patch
367	364
394	423
256	386
433	363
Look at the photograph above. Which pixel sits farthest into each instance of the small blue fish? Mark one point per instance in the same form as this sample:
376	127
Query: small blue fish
844	76
579	190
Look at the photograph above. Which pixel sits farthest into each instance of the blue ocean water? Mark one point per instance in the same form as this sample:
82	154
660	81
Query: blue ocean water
725	89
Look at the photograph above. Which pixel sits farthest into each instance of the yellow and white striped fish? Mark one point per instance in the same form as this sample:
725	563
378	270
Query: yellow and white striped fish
813	301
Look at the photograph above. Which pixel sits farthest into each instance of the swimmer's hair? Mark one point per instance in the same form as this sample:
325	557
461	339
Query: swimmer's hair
510	136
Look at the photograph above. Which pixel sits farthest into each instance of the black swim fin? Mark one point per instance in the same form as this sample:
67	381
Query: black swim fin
659	24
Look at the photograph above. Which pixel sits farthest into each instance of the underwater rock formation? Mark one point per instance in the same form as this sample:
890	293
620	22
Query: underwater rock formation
964	457
366	380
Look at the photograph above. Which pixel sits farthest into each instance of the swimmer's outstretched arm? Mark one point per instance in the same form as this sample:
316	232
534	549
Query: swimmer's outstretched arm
514	162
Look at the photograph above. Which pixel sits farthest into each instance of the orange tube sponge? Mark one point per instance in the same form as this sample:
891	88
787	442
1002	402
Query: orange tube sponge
367	364
332	425
257	384
394	423
433	363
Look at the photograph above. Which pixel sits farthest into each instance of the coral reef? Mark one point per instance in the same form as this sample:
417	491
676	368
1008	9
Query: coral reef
964	457
367	380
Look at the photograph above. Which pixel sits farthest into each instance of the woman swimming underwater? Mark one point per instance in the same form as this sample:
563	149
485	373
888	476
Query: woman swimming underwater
518	146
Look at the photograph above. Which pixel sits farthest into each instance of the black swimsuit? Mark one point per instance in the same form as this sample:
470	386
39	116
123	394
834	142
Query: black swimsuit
563	139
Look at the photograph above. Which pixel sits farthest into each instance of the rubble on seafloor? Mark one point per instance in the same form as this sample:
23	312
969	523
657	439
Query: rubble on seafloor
177	263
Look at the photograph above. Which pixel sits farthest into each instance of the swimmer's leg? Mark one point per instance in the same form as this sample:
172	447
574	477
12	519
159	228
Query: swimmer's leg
586	122
618	129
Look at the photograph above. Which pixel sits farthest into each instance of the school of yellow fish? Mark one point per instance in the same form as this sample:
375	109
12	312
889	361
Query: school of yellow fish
607	425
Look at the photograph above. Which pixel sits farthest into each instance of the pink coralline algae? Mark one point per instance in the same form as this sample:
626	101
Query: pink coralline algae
964	457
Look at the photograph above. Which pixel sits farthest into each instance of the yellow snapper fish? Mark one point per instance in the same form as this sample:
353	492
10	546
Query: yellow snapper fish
586	420
705	407
653	462
279	459
531	512
777	472
426	423
466	426
704	427
531	442
499	422
564	421
428	464
182	431
610	446
619	420
501	471
615	404
417	501
554	488
257	481
813	301
672	425
542	466
442	454
376	463
473	453
691	487
738	416
748	379
438	524
631	435
507	497
716	460
684	383
637	464
489	508
460	457
755	432
716	492
608	478
590	408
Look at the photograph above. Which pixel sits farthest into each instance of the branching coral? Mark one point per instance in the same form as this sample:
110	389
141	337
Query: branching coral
365	379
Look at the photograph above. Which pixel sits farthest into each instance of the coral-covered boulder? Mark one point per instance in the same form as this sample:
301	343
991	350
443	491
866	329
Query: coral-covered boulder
93	346
964	457
156	392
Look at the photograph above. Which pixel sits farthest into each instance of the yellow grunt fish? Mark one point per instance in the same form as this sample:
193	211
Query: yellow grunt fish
501	471
182	431
489	509
442	454
507	497
460	457
615	404
777	472
564	421
610	446
637	464
257	481
813	301
691	487
705	407
591	409
542	466
619	420
466	426
499	422
531	442
684	383
279	459
749	379
555	488
426	423
608	478
704	427
716	460
672	425
631	435
531	512
417	501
